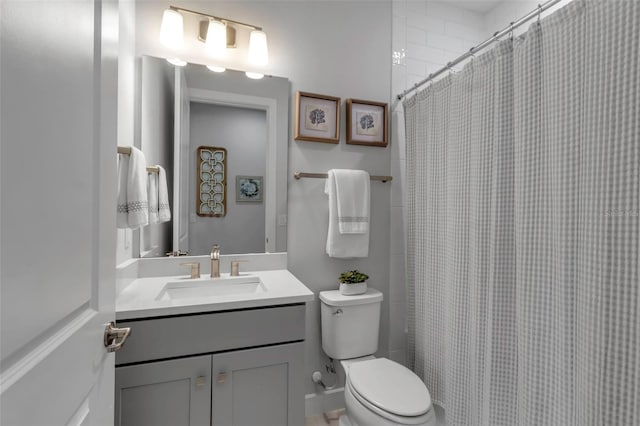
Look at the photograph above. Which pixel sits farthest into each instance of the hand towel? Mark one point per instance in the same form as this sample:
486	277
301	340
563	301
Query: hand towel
152	191
133	201
352	195
164	210
342	245
123	173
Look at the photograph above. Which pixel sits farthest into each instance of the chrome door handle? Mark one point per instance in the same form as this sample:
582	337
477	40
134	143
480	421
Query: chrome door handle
114	337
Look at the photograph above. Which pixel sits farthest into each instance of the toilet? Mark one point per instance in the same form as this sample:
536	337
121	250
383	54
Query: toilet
377	391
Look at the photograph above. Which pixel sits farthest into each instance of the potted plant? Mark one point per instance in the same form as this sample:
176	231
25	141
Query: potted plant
353	282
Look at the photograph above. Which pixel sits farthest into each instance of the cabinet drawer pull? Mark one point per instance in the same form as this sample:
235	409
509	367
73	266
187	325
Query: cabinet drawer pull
222	377
201	381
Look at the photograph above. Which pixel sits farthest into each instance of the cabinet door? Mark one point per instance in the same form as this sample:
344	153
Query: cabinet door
259	387
171	393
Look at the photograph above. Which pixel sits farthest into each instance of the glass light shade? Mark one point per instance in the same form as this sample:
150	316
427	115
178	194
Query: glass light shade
216	38
258	52
254	75
172	29
216	68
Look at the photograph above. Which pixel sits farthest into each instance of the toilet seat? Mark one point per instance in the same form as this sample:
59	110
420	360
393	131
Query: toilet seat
376	383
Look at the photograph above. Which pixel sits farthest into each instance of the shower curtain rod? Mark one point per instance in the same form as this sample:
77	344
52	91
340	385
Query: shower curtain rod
471	52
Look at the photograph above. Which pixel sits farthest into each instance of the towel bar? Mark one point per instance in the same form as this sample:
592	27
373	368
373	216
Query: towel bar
299	175
126	150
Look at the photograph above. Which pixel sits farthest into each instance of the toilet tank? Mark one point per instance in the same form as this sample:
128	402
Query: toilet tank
350	324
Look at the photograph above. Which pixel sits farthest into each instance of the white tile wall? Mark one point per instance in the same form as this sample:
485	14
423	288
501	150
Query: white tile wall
430	34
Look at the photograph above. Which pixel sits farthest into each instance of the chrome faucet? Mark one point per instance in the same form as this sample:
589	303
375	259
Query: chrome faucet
215	261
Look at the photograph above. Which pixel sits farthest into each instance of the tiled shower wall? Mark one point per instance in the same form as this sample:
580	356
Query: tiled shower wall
426	35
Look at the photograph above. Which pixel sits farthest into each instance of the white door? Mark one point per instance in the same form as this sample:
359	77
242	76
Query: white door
57	257
181	161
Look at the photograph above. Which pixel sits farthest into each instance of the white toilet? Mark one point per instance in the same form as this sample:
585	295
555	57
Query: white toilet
378	391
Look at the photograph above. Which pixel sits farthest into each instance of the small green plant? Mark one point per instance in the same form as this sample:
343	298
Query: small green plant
352	277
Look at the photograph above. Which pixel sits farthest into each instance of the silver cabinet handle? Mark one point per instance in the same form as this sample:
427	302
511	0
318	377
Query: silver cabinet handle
222	377
338	312
114	337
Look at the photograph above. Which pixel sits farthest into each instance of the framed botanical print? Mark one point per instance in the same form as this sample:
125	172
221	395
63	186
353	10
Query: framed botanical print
367	123
317	118
249	189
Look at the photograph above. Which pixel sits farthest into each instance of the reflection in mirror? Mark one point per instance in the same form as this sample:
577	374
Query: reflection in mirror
182	109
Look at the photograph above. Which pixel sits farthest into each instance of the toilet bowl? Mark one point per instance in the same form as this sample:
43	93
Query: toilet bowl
381	392
378	391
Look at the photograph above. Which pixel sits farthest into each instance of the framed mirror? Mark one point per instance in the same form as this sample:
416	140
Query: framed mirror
181	109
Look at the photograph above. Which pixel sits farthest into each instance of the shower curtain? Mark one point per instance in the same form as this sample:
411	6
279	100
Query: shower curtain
523	231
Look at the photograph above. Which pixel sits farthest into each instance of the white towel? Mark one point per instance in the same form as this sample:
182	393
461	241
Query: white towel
133	204
123	172
352	195
152	191
164	211
344	245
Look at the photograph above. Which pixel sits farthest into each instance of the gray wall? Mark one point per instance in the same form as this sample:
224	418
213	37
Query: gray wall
243	133
156	141
333	48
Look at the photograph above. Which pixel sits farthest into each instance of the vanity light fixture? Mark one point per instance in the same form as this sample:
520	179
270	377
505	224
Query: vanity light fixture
216	40
217	34
172	29
258	52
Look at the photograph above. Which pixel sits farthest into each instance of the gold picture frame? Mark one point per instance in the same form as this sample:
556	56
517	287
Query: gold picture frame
367	123
317	118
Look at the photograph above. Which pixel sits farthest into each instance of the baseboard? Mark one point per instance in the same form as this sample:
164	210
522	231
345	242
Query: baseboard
322	402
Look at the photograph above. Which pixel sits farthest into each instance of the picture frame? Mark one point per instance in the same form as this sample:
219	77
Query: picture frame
249	189
367	123
317	118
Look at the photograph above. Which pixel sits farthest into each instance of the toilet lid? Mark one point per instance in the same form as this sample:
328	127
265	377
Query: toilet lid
390	387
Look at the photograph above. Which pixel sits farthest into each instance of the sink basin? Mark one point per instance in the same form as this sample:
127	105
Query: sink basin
211	287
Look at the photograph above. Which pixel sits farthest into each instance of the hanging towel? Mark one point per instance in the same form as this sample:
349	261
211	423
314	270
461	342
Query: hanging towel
133	203
123	171
344	245
352	195
164	211
152	191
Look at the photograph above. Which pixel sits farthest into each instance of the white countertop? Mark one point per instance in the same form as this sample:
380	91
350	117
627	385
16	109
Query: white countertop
138	298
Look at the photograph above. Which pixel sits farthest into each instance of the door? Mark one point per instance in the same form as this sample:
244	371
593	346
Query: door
169	393
258	387
181	172
58	84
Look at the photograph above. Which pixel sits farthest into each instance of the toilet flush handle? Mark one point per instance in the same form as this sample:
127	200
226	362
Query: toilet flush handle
337	313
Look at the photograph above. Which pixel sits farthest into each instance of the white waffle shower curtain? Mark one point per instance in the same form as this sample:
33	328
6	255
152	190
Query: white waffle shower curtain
523	226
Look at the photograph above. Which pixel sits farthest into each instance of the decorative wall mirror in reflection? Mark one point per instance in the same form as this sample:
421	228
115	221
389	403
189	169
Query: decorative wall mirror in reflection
184	108
211	199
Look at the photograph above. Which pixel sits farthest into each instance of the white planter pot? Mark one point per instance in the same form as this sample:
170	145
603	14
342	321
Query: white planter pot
352	289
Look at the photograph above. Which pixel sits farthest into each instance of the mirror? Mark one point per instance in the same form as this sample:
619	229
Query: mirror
184	108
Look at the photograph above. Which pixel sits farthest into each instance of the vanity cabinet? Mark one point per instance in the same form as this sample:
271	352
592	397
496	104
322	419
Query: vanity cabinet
173	392
240	368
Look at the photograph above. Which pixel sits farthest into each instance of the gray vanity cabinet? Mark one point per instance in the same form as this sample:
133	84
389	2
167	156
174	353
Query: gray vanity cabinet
174	392
258	387
232	368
